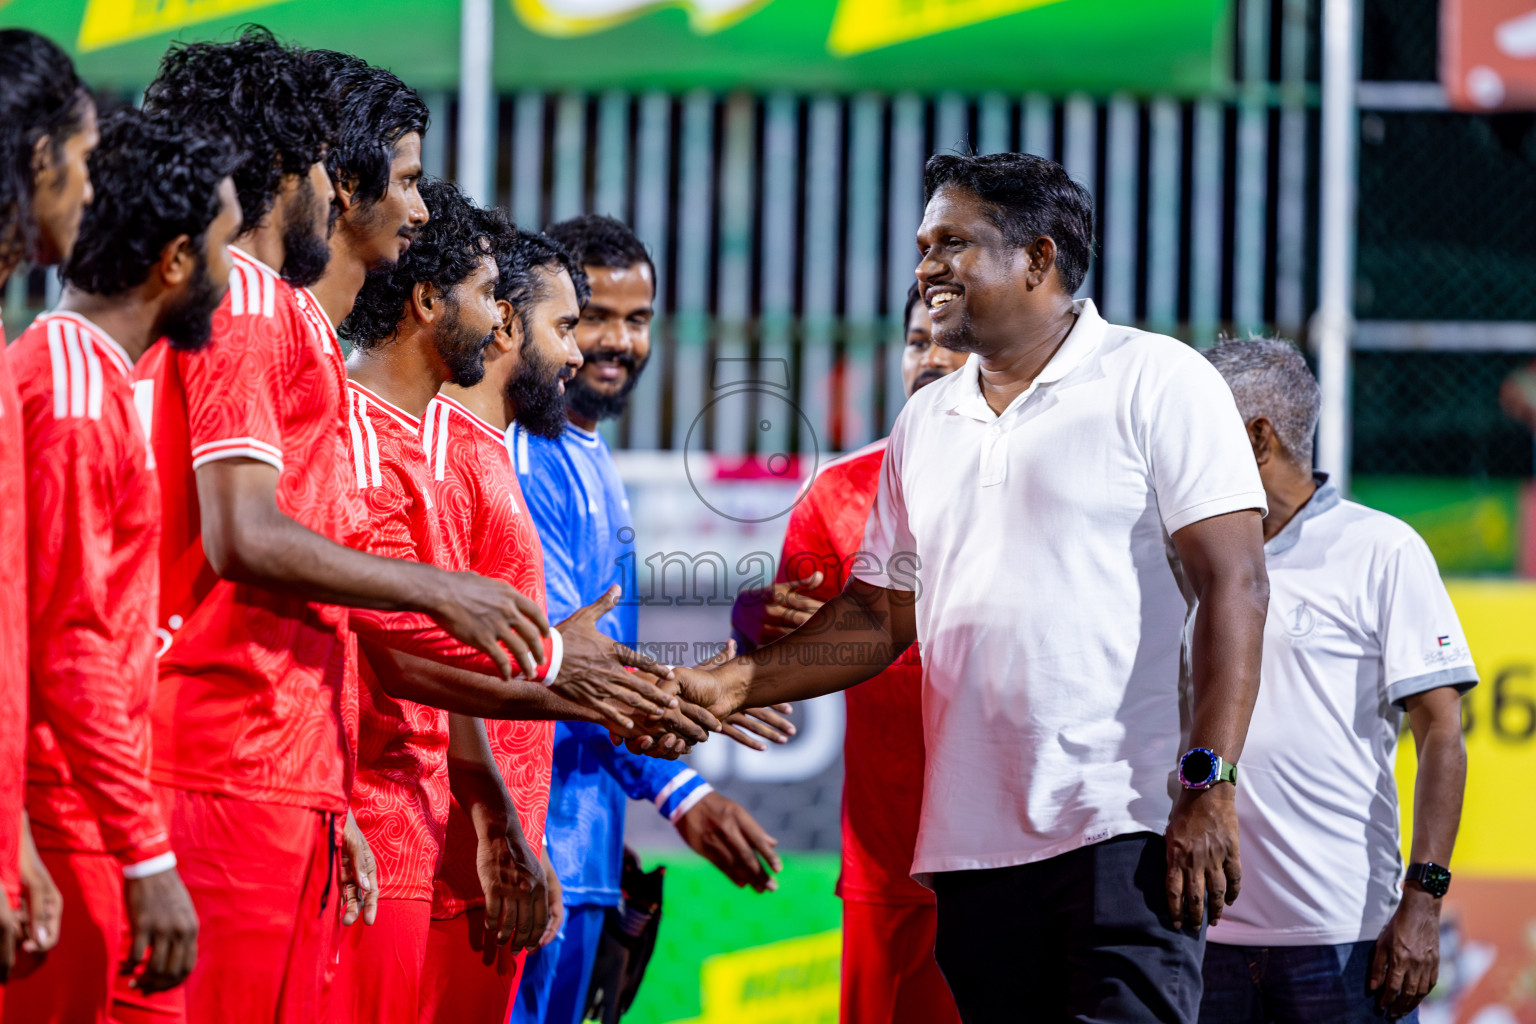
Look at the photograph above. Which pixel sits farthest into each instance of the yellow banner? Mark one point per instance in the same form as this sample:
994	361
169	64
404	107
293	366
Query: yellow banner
110	22
1498	822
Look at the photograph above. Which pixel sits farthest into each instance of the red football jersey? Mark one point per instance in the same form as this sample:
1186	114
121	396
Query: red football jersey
488	526
93	507
13	632
400	795
248	702
883	747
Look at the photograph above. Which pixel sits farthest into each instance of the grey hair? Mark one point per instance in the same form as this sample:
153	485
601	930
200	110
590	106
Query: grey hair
1269	377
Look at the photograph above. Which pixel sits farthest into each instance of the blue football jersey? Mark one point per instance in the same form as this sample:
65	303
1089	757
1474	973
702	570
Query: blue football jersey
580	508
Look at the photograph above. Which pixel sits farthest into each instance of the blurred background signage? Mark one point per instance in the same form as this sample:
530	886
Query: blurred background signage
1094	45
1488	54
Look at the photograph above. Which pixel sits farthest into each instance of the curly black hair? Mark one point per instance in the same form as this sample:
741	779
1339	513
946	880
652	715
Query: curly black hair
375	110
595	240
1027	197
519	253
156	181
40	96
270	98
448	249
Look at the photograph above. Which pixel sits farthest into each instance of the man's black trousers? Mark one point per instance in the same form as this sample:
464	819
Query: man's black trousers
1084	936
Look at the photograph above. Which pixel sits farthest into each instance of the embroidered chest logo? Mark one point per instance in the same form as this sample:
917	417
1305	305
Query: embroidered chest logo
1300	624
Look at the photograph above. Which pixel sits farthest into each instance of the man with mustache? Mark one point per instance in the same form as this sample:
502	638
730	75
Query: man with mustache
1019	532
47	130
259	588
151	260
533	353
578	503
889	975
425	322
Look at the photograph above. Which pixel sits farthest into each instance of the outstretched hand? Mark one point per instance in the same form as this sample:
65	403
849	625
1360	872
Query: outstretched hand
490	615
596	673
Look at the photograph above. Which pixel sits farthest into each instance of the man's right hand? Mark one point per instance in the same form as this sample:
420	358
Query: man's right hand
594	673
10	937
768	613
163	924
488	615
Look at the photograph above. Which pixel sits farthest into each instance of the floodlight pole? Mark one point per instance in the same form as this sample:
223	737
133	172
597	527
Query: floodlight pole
1334	321
476	33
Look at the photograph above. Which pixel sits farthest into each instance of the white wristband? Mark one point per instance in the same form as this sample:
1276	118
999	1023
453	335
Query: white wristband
556	654
153	866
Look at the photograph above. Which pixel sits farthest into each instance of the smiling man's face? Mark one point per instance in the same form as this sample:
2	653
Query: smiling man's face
972	279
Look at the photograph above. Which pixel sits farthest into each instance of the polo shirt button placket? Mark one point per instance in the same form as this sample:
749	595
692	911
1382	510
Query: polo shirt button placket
994	456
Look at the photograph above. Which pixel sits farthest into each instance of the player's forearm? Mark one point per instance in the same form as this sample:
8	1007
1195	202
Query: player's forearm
475	781
248	539
1439	784
853	637
1226	650
408	677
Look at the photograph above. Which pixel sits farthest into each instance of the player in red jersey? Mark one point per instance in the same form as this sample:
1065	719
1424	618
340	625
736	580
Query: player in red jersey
47	130
539	292
422	324
889	973
250	750
151	262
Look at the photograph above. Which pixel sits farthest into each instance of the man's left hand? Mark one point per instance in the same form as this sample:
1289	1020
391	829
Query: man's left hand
1202	854
722	832
516	904
1406	963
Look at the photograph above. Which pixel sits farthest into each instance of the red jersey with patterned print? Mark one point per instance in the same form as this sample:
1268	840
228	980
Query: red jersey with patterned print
883	747
400	795
13	632
93	507
248	703
489	528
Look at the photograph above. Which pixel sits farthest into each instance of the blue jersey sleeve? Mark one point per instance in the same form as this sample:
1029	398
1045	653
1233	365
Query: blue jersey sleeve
671	785
548	491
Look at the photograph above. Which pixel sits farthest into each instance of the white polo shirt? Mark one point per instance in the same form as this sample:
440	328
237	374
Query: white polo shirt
1358	621
1047	614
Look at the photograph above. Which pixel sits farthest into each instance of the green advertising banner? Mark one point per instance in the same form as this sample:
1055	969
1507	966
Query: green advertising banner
1097	46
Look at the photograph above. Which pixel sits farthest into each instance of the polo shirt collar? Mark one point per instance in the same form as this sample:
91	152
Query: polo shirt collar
1324	498
1082	339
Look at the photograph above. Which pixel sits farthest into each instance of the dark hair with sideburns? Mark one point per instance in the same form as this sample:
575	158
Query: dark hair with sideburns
519	253
375	110
1027	197
447	251
155	182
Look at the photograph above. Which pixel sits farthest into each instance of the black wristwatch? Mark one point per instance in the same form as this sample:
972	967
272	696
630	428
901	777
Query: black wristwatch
1432	878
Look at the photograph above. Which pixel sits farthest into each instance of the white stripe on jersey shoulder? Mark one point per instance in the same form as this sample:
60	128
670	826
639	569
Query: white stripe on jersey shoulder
369	474
473	417
386	406
358	462
588	438
104	341
252	286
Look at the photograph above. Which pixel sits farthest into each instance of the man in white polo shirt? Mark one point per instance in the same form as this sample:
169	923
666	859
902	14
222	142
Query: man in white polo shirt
1018	535
1360	630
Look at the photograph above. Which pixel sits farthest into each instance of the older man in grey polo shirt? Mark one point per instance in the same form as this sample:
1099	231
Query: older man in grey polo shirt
1018	535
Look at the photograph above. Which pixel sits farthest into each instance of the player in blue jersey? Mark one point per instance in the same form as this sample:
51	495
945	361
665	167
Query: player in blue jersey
578	502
